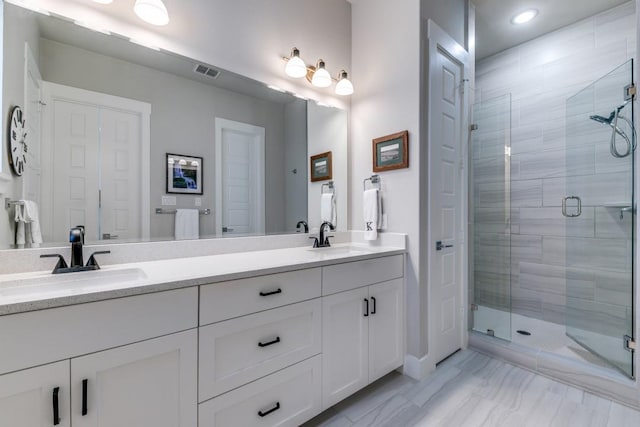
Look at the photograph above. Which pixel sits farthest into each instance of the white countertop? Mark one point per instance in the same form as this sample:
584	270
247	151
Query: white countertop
41	290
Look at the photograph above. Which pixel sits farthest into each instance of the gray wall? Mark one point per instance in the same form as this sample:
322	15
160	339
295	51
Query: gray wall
295	158
182	122
542	75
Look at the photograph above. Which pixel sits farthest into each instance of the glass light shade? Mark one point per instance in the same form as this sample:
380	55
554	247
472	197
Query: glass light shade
295	67
152	11
182	162
103	1
321	77
524	17
344	86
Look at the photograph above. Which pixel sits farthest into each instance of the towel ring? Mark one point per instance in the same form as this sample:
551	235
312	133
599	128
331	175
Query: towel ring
375	181
329	186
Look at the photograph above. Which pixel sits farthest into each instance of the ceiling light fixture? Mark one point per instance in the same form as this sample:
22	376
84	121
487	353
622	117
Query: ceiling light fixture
318	75
524	17
103	1
152	11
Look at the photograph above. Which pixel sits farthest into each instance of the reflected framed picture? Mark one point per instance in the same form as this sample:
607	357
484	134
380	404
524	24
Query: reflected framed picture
391	152
184	174
321	167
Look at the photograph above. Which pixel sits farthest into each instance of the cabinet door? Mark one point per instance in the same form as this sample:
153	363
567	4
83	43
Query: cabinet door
148	384
386	338
344	345
33	397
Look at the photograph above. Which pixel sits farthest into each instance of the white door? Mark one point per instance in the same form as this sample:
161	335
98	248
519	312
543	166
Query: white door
149	384
240	179
32	110
36	397
445	211
121	175
73	189
95	169
345	345
386	349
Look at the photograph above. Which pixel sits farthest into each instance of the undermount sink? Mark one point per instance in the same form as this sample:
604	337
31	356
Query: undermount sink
50	285
339	250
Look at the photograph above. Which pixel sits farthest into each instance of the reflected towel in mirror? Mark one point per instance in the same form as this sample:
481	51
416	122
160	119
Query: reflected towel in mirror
328	208
187	224
27	224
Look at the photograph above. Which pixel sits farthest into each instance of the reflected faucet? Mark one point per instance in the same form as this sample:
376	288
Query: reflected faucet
304	224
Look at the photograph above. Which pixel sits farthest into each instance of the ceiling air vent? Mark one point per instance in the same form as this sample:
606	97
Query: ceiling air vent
206	71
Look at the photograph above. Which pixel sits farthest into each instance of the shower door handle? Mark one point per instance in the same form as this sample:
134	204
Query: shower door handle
564	206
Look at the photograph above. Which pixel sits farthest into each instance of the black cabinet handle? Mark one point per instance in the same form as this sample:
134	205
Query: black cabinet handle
56	406
275	408
374	305
266	294
266	344
84	396
366	307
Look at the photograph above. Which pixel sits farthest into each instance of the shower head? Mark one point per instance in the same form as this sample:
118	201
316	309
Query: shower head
601	119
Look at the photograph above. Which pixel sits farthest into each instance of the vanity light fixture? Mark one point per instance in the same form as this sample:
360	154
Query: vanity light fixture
152	11
103	1
524	17
318	75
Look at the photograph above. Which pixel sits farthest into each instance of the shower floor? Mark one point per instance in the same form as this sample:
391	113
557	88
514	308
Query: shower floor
546	336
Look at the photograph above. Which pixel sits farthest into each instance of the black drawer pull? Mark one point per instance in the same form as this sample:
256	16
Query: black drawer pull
84	397
266	344
374	305
366	307
56	407
275	408
266	294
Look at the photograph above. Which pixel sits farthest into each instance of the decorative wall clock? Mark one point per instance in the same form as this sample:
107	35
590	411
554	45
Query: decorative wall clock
17	141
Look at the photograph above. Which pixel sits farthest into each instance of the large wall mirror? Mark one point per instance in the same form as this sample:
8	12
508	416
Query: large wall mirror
120	135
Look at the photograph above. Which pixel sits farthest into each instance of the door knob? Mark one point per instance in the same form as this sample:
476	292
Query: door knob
440	246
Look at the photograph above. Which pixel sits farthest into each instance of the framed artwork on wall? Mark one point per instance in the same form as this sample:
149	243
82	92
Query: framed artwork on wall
321	167
184	174
391	152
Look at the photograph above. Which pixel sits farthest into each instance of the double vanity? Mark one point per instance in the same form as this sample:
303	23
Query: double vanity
268	337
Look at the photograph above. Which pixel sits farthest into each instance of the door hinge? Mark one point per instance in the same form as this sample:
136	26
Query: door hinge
630	92
628	343
473	127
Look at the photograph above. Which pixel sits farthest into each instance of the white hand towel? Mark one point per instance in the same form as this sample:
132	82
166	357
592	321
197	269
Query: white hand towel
327	208
19	219
187	224
31	216
371	213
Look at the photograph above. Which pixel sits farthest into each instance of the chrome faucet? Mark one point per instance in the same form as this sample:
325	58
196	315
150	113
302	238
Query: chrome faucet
76	238
323	241
304	224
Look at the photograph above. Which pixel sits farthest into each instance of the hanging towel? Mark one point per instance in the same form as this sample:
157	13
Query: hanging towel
371	213
328	208
18	217
187	224
34	236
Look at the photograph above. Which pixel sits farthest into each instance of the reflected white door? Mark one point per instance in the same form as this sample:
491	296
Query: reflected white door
445	200
120	160
239	178
32	110
97	173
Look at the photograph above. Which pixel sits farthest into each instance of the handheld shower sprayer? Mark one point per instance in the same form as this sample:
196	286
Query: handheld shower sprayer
612	121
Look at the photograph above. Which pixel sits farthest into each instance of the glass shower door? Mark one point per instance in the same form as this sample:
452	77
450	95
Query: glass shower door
597	203
490	274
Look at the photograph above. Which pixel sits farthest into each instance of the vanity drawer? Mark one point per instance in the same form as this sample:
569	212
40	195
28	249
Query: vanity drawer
286	398
226	300
39	337
351	275
238	351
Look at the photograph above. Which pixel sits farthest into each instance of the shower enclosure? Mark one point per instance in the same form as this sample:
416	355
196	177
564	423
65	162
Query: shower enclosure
555	271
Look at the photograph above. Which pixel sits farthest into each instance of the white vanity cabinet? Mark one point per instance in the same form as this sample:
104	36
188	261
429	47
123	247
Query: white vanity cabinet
147	384
362	328
36	397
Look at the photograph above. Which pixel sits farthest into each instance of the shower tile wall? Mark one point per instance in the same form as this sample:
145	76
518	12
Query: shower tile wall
540	75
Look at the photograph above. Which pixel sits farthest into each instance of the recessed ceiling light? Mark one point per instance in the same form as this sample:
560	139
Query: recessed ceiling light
525	16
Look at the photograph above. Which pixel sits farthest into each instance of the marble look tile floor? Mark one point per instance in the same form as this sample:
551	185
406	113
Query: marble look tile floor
471	389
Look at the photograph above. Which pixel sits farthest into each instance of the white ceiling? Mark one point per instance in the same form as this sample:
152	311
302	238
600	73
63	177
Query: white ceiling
495	33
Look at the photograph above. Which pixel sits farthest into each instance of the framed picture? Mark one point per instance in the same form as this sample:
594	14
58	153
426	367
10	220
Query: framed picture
321	167
184	174
391	152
